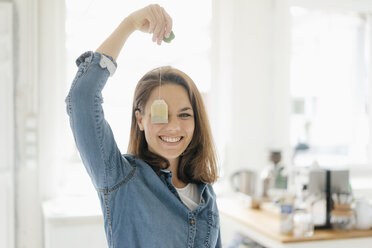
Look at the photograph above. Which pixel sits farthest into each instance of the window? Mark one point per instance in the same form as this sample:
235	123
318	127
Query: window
330	121
89	22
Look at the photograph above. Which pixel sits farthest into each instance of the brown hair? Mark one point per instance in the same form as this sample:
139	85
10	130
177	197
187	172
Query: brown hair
198	162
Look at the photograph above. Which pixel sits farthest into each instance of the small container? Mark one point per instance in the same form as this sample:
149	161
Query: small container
342	219
303	225
342	216
286	214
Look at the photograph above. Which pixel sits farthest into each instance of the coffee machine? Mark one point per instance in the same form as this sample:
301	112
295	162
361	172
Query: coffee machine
322	184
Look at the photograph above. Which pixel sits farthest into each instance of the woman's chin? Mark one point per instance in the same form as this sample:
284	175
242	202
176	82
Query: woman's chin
168	153
171	155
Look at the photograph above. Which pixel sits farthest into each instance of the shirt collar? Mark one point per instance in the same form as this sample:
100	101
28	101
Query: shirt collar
168	173
165	171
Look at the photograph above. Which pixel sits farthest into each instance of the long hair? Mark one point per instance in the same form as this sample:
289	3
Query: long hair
198	162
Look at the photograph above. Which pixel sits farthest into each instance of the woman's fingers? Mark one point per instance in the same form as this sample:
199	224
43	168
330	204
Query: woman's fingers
161	26
159	29
156	27
153	19
168	22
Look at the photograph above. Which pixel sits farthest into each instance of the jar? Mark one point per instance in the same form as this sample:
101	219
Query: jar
342	217
303	223
286	213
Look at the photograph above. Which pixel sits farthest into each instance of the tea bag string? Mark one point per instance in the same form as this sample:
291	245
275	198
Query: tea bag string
159	81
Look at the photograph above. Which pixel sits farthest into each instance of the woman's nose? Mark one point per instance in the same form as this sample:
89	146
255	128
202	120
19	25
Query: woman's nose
173	123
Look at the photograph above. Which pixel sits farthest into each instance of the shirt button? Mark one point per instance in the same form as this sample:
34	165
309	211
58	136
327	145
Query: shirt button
192	222
202	200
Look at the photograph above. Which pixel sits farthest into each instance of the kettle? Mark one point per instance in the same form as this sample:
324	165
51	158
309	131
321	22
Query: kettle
244	181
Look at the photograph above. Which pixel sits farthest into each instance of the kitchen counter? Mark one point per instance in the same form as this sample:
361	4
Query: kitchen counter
262	226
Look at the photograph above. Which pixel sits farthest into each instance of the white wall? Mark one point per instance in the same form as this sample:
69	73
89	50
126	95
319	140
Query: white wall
7	202
251	71
28	211
39	44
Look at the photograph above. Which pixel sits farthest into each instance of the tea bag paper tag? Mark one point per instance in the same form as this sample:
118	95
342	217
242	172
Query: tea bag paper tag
159	112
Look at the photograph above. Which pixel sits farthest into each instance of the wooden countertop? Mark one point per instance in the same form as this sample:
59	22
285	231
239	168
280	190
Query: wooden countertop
267	223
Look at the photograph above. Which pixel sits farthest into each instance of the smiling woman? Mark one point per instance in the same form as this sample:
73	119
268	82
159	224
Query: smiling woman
84	29
166	178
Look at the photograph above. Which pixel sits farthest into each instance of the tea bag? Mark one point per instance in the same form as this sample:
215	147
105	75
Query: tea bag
159	108
159	111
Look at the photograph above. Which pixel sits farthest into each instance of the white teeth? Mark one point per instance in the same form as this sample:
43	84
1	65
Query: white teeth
170	139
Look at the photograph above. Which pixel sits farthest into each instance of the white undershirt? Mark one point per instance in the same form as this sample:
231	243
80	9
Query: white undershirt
189	195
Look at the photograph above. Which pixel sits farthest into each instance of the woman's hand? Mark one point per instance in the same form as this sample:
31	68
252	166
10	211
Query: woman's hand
152	19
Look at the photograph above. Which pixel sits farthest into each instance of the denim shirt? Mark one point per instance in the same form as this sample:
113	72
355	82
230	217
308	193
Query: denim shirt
140	208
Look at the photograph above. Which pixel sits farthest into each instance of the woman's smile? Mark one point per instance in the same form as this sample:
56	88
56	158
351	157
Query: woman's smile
171	140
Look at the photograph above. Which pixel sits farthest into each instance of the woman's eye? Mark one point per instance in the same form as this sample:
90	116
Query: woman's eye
184	115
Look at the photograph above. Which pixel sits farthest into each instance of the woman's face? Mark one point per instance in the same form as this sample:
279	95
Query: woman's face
170	139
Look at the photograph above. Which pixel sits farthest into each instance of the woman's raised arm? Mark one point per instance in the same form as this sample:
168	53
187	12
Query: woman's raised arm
152	19
92	133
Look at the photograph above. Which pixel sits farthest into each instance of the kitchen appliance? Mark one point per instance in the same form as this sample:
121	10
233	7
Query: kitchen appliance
244	181
322	184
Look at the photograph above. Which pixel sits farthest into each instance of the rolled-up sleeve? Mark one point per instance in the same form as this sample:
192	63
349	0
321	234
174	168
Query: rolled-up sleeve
93	135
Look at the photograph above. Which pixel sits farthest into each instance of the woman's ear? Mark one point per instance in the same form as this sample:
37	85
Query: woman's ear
139	120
